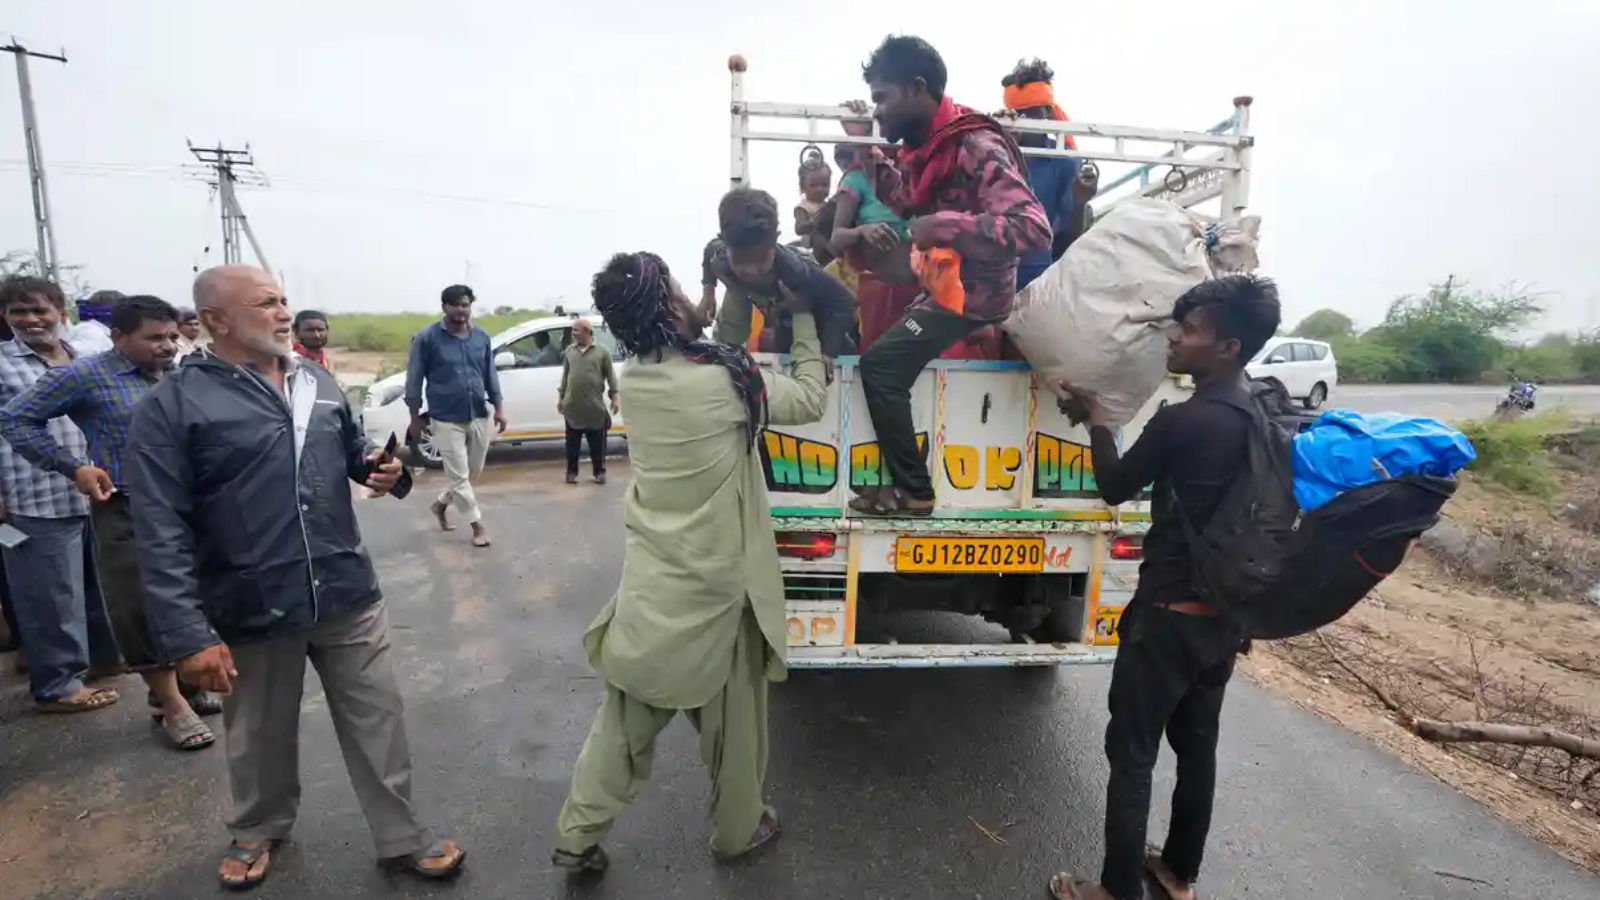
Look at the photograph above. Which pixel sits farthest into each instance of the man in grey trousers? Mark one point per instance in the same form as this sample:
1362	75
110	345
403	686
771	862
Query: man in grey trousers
244	458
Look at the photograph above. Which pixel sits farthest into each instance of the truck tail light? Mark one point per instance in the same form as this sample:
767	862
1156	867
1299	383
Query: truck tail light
1127	546
806	544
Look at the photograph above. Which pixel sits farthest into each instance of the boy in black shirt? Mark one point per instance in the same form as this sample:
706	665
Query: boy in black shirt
750	263
1177	652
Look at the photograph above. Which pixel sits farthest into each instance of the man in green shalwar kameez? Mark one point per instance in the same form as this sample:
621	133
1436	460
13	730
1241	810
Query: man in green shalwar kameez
697	624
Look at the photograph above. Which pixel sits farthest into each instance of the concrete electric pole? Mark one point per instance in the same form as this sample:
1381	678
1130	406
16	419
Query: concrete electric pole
224	170
30	135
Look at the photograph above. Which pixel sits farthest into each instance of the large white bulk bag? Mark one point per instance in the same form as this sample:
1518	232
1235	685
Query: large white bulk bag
1097	320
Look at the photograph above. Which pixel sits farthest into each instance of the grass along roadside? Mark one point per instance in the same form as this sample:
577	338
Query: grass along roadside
392	332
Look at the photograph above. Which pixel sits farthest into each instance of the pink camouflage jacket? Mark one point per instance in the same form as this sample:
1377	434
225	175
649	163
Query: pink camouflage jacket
984	211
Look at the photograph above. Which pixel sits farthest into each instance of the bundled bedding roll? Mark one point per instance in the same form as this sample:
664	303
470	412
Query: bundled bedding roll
1096	321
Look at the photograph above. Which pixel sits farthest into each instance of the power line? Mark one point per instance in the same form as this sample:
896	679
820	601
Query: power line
226	169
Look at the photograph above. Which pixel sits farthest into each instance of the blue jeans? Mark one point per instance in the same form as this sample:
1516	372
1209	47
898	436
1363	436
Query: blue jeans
57	603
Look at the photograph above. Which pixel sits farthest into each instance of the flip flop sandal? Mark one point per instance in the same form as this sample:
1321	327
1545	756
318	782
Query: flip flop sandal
1070	887
100	698
187	732
249	856
1153	863
481	542
767	832
900	506
591	861
411	863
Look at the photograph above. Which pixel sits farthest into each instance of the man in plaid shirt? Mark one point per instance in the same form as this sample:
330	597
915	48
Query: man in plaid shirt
99	394
51	574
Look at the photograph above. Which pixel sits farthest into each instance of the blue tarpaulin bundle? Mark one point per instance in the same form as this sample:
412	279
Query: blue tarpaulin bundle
1344	449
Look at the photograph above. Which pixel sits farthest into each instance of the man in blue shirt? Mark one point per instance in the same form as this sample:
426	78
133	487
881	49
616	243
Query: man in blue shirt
99	393
453	360
1053	179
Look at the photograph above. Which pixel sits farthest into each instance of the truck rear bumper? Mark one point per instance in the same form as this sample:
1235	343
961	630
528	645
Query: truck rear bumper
947	656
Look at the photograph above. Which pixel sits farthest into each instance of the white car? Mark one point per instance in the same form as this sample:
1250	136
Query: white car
1305	367
528	358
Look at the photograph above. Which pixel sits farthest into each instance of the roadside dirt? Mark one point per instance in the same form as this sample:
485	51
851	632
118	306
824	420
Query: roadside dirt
366	363
1463	641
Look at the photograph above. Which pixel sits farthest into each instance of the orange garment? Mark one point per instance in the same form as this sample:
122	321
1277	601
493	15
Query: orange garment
939	271
1038	93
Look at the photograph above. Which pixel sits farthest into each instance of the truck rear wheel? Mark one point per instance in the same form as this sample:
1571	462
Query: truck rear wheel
1064	618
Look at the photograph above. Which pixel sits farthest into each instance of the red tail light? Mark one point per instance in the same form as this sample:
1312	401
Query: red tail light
1126	546
806	544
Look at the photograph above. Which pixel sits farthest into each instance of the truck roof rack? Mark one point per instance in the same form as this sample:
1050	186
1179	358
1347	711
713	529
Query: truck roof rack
1200	165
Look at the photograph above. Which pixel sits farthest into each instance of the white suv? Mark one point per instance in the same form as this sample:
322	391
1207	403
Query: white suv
1306	368
528	358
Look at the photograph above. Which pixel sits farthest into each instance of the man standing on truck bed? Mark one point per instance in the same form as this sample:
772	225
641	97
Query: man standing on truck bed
697	624
958	181
1177	652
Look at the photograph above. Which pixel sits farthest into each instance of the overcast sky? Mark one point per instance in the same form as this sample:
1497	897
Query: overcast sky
1398	142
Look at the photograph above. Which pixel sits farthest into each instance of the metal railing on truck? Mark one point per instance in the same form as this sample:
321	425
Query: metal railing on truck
1213	164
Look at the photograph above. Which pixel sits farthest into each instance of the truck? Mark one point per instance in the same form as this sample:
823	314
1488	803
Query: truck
1019	543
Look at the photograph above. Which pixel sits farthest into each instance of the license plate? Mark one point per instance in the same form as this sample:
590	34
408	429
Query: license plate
944	554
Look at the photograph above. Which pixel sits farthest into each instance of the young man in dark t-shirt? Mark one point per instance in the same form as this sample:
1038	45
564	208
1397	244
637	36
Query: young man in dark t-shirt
1177	651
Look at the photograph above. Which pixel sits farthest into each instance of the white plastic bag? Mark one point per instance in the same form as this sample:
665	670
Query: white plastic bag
1097	320
89	337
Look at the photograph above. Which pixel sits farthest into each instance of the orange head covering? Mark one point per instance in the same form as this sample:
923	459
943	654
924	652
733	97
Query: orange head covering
1037	93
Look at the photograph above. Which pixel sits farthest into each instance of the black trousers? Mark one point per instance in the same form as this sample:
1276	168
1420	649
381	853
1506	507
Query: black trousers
888	370
597	448
1170	675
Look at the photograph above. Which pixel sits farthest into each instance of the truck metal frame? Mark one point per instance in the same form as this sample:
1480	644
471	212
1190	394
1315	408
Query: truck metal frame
811	470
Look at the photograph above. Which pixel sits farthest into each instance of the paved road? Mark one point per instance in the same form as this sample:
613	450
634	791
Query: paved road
1457	403
880	776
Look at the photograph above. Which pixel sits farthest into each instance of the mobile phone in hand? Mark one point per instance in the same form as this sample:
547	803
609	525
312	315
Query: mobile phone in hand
389	448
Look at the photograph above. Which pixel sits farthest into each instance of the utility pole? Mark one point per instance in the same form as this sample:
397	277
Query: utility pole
43	230
224	170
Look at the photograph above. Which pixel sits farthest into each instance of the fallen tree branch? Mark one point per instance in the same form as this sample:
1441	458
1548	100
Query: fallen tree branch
1496	733
1378	692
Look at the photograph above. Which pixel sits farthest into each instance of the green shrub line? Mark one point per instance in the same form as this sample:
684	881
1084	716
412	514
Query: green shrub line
1515	454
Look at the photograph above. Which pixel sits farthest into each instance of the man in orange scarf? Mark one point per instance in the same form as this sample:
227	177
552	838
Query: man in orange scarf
1029	93
958	182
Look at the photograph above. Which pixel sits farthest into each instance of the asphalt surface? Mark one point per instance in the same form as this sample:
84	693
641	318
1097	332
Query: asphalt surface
1457	403
883	779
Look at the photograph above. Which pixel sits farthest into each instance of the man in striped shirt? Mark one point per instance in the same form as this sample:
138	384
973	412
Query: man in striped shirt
60	617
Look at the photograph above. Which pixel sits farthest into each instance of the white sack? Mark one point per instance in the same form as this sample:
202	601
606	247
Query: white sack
89	337
1097	320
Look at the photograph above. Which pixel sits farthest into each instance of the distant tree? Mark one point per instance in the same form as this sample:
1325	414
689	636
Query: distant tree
26	262
505	310
1325	325
1451	333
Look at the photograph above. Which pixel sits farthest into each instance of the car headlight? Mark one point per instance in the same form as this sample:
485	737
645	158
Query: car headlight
386	396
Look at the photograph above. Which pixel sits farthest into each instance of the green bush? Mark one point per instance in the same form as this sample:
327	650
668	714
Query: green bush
392	332
1366	360
1512	454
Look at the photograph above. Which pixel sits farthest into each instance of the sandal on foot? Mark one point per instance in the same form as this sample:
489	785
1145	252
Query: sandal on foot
900	504
767	832
187	732
869	502
592	861
1158	873
412	863
1070	887
249	856
98	698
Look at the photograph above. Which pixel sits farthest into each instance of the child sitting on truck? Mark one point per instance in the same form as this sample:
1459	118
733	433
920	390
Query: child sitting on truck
816	182
751	264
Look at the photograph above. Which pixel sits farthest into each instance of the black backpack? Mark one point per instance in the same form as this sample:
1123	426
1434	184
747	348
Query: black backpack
1279	571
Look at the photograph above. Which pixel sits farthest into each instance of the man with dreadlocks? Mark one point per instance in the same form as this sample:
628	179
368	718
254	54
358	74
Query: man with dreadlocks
697	624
